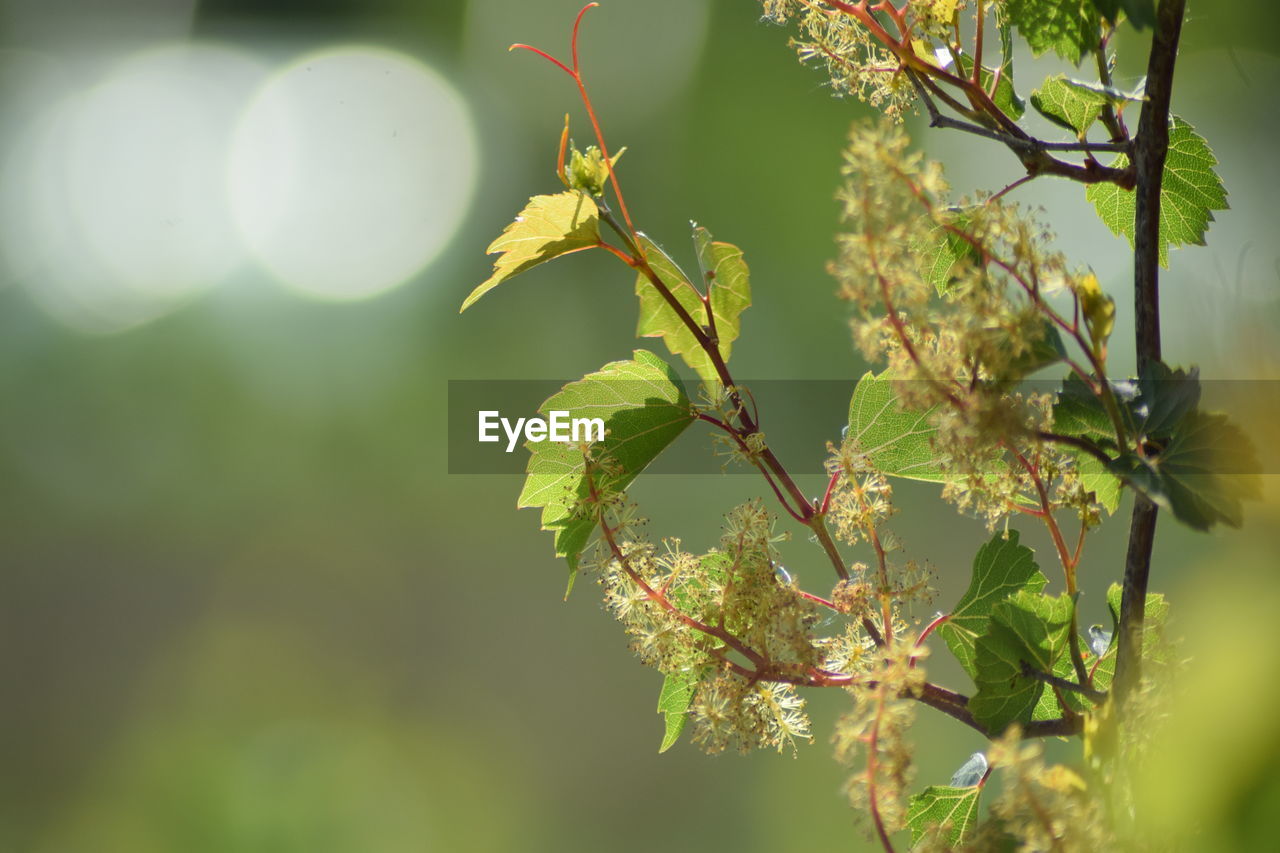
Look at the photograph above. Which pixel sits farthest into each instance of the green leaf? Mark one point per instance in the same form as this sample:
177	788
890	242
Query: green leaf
939	805
1005	28
1196	464
1067	27
1068	104
588	171
548	227
1004	95
727	277
1047	706
644	407
1026	627
1155	614
673	704
1097	478
1165	397
897	442
1202	475
942	249
1189	193
1079	412
729	283
1001	568
1141	13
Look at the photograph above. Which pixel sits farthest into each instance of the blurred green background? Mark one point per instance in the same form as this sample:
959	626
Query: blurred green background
243	605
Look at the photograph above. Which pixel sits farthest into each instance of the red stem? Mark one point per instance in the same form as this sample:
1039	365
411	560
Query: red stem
928	629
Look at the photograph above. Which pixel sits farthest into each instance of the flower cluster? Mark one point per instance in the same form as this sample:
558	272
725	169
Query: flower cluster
873	736
730	615
959	300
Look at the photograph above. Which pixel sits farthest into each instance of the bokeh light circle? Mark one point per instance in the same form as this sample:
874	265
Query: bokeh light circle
114	203
350	171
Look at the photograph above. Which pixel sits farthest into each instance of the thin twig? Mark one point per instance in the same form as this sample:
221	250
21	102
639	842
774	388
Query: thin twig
1097	696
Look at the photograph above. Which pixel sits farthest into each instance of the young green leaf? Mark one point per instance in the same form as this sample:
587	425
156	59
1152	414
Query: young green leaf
548	227
1068	104
1189	193
1067	27
897	442
725	274
1080	412
673	704
644	407
588	171
728	281
1025	629
1004	96
955	809
1155	614
1048	706
1096	478
943	249
1001	568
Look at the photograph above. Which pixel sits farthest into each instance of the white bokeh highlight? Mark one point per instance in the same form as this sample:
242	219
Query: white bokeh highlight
114	204
350	171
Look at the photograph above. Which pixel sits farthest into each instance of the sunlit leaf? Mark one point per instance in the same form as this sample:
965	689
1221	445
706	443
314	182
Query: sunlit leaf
1068	104
1067	27
943	249
1001	568
939	805
1189	193
1155	614
1004	96
1026	628
1096	477
673	705
897	442
548	227
725	273
644	406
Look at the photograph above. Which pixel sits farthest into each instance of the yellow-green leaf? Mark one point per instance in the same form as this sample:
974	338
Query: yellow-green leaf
955	809
644	408
898	442
1068	103
673	705
548	227
729	285
1001	568
1189	193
